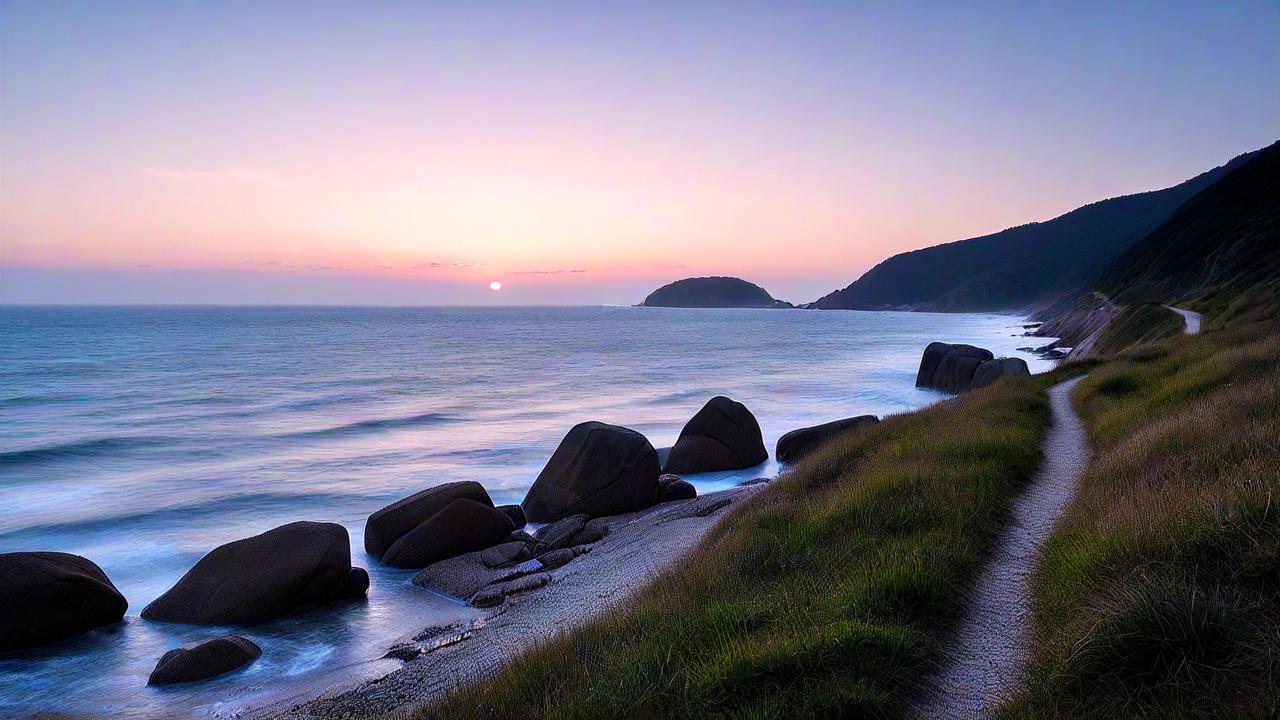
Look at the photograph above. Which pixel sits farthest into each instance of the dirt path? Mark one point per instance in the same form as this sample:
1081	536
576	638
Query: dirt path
1192	319
993	641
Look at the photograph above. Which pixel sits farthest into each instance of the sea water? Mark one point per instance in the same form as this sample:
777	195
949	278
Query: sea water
141	438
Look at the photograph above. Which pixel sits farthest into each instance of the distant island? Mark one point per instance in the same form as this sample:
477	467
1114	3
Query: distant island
713	292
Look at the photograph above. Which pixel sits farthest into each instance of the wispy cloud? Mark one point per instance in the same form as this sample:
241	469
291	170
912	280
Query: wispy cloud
546	272
232	176
438	265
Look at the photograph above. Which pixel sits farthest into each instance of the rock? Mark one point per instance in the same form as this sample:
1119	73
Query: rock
593	532
207	659
496	593
992	370
598	470
1054	354
515	513
723	435
561	532
519	536
463	526
263	577
389	524
950	367
51	596
461	577
557	558
798	443
674	487
508	553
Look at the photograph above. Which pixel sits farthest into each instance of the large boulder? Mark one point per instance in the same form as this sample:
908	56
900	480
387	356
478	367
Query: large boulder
950	367
598	469
210	658
723	435
674	487
796	444
463	526
263	577
389	524
992	370
50	596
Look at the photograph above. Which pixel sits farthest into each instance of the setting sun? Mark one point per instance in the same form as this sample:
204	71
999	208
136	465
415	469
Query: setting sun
495	286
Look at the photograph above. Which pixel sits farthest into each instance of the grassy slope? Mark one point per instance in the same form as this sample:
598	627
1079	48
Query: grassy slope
1138	325
1158	595
826	595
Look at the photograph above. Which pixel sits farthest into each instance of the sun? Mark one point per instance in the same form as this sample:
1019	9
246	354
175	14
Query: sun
495	286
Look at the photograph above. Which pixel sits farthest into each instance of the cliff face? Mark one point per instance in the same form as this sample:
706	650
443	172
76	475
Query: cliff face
712	292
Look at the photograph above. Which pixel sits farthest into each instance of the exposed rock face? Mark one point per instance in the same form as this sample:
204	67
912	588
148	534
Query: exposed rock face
674	487
950	367
208	659
264	576
508	553
463	526
712	292
992	370
389	524
723	435
515	513
796	444
598	469
50	596
560	533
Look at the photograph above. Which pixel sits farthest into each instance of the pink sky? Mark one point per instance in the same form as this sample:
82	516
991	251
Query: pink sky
595	157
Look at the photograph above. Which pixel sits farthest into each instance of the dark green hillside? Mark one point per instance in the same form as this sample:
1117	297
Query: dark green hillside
1016	267
712	292
1227	236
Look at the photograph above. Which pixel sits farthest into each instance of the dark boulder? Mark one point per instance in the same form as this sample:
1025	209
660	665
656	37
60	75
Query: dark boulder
723	435
389	524
263	577
598	469
508	553
557	558
560	533
463	526
515	513
992	370
50	596
208	659
593	532
674	487
798	443
950	367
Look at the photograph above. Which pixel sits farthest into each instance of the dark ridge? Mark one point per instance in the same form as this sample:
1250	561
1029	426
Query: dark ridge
1014	268
712	292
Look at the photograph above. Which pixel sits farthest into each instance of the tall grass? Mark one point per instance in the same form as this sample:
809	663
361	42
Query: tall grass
826	595
1158	595
1138	325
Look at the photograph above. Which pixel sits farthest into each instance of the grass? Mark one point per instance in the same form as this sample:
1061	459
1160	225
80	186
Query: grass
828	594
1138	325
1158	594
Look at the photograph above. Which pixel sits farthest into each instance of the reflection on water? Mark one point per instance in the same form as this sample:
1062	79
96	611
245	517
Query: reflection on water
142	438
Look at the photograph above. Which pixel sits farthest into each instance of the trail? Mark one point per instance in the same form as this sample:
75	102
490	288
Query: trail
1192	319
993	642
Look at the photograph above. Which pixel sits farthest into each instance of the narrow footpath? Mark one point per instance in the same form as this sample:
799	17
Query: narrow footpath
1192	320
992	645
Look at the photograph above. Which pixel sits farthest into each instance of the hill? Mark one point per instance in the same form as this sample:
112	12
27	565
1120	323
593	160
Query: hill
1014	268
712	292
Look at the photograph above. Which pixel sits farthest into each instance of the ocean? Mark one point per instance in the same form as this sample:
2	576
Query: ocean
141	438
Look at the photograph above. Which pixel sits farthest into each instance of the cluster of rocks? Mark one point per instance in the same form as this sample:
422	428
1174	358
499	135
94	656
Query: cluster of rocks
958	367
1052	351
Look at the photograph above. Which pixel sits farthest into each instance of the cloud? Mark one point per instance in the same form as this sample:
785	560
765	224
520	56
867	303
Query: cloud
438	265
546	272
224	177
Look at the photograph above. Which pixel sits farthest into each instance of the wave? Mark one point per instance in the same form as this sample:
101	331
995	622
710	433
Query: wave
80	449
374	425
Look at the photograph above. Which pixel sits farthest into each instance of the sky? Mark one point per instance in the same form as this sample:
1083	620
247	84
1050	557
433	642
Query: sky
582	153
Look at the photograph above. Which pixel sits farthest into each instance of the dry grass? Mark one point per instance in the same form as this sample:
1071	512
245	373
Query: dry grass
827	595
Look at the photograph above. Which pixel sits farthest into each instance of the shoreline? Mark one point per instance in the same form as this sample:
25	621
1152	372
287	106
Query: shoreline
440	659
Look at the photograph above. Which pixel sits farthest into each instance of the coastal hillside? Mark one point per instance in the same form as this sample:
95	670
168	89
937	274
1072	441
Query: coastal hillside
712	292
1014	268
1226	236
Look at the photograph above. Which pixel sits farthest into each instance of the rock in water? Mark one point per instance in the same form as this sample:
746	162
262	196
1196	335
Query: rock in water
208	659
50	596
463	526
798	443
389	524
263	577
674	487
723	435
992	370
598	469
